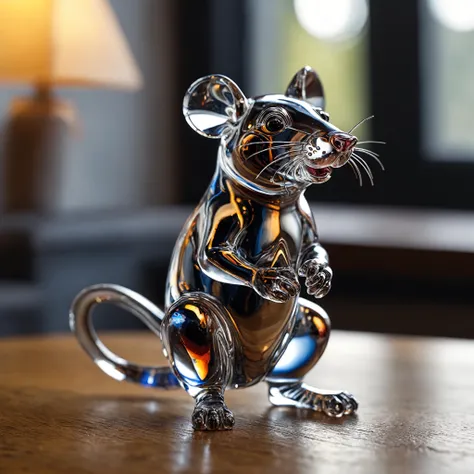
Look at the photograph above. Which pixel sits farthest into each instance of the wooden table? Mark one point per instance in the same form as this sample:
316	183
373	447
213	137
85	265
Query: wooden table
60	414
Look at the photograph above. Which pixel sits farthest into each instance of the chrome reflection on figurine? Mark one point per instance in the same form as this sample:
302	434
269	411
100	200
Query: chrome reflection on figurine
233	314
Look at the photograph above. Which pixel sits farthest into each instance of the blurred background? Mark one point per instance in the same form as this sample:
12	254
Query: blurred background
99	169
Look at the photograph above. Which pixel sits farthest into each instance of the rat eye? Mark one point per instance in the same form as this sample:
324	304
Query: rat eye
274	124
274	120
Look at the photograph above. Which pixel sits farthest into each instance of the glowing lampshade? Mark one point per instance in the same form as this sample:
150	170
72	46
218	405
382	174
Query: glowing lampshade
64	42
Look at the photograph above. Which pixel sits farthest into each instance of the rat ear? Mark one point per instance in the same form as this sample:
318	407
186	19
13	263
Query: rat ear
213	104
307	86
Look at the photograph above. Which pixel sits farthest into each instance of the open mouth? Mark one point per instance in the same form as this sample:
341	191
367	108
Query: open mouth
320	173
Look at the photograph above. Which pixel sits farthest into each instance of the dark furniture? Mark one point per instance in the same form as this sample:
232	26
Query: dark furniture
396	270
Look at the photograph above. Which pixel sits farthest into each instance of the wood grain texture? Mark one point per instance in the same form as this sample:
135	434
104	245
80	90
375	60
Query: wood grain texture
61	414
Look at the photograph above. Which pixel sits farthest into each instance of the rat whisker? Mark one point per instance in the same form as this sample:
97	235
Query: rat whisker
372	141
271	142
367	150
300	172
352	168
360	123
365	167
356	170
373	155
277	147
280	169
282	157
299	169
287	169
292	172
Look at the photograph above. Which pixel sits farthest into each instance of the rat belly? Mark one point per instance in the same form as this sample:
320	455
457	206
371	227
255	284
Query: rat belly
260	327
262	330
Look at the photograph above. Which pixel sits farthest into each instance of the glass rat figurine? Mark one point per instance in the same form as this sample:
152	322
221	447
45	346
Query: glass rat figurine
233	314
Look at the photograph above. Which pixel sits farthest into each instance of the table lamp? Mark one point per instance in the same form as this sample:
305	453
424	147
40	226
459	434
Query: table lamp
53	43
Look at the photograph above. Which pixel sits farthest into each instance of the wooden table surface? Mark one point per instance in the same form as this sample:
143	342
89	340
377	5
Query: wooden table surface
60	414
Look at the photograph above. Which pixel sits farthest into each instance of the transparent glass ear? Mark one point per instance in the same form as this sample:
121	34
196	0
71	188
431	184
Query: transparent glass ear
213	104
307	86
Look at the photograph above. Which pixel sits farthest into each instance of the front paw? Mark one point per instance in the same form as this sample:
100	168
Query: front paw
276	284
318	277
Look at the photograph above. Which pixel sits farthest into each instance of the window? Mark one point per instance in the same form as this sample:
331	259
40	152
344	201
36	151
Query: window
401	64
447	40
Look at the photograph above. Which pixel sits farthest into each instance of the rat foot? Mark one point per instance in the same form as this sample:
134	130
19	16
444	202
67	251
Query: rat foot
299	395
211	413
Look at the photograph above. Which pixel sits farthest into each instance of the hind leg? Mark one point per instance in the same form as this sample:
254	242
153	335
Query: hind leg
309	341
199	346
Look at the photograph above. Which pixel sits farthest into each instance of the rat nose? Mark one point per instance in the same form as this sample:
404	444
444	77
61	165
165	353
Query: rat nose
341	141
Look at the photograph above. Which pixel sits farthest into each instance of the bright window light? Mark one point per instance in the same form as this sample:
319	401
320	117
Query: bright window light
332	20
457	15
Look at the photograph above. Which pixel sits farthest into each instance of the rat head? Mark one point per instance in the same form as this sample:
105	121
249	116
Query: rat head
276	142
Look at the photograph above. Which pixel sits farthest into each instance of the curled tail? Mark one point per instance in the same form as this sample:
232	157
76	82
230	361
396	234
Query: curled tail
81	324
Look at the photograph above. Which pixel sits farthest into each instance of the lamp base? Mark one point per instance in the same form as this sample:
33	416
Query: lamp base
34	141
